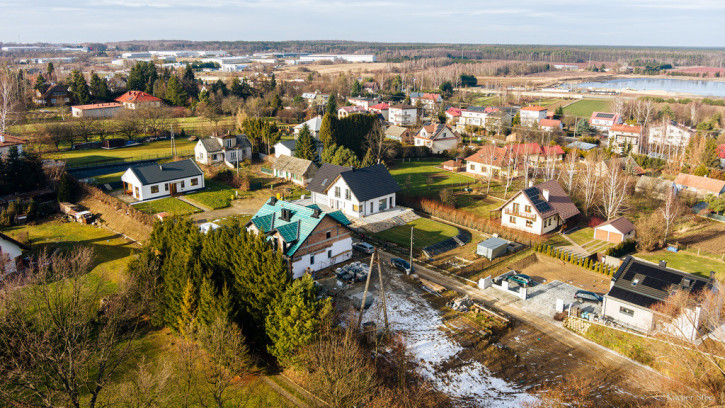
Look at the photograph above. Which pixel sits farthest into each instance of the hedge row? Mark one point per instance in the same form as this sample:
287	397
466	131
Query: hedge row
583	261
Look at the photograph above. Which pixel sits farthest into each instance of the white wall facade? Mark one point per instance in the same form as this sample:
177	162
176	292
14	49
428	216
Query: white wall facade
349	204
339	251
107	112
13	251
402	117
159	190
640	318
618	141
531	118
282	150
520	214
439	145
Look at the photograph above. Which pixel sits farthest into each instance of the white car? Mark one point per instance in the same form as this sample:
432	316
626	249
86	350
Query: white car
364	247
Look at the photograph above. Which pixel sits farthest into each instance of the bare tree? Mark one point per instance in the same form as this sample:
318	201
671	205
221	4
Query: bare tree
695	368
61	341
617	106
512	167
149	385
9	101
340	372
569	169
128	124
589	181
85	128
671	209
376	142
614	189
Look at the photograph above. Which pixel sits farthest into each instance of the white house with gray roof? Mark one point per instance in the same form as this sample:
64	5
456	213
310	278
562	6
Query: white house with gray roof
356	192
227	149
162	180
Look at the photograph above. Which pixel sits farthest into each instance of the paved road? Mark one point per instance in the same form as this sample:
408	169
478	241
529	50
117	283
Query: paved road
556	331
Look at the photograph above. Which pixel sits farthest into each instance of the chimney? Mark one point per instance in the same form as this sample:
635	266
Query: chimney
545	193
273	201
663	264
316	213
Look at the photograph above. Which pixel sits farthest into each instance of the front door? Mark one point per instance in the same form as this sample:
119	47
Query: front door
173	188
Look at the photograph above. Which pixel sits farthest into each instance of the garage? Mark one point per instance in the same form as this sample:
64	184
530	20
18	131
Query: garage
615	231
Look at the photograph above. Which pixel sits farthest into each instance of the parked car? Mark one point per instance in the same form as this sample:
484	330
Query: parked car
521	279
401	264
588	296
363	247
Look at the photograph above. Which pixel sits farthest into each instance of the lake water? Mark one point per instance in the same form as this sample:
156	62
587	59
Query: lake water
690	86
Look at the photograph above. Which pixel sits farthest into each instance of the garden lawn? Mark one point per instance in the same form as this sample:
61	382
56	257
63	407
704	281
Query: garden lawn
215	195
558	241
171	205
149	151
426	177
108	178
585	107
427	232
582	236
476	204
112	251
685	261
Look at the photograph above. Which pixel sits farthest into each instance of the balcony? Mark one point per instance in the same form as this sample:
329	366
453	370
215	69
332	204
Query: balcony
528	216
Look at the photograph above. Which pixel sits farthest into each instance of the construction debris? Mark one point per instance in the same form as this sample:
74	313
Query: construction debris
433	287
461	304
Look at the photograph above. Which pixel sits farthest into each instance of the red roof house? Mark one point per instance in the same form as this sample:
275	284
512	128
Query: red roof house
138	99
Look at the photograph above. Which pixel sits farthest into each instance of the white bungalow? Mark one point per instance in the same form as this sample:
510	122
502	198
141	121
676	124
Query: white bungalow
162	180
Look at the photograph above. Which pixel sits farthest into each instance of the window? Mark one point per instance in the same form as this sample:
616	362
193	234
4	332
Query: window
527	208
329	253
182	183
516	207
233	155
356	208
154	189
166	187
529	223
337	192
347	194
137	195
512	219
473	167
328	235
194	182
371	207
383	204
625	311
312	259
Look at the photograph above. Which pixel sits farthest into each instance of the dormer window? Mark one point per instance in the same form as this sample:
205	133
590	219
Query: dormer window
635	281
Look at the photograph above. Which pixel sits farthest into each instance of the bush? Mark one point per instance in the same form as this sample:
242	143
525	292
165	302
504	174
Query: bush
621	249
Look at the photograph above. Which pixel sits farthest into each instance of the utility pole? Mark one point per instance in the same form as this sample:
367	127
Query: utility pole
382	293
411	248
173	142
365	292
382	290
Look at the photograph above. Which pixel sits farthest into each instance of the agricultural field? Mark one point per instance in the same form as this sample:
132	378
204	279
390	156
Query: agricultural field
427	232
171	205
111	250
215	195
585	107
147	151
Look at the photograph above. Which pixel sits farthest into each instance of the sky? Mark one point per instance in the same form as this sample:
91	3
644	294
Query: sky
691	23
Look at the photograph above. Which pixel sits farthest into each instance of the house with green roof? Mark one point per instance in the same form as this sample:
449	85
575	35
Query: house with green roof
310	239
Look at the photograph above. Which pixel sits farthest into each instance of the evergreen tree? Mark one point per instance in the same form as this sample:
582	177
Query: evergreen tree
305	146
328	129
213	306
50	69
406	100
187	311
332	105
79	88
160	89
204	96
99	88
295	318
369	159
136	80
188	81
356	88
40	83
66	189
345	157
175	93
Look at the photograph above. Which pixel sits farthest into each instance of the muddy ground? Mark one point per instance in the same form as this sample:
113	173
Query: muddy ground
475	364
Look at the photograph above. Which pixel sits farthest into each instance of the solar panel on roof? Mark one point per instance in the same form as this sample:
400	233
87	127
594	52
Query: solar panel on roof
606	115
543	206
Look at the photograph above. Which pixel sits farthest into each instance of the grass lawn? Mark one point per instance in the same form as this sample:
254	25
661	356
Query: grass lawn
476	204
108	178
425	178
150	150
629	345
427	232
112	251
545	102
557	240
170	205
215	195
582	236
685	261
585	107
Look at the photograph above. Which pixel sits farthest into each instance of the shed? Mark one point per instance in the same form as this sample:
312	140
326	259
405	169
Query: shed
492	248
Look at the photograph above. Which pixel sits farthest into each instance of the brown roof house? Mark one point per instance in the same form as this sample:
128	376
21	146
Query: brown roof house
702	186
294	169
52	95
7	142
615	231
539	209
399	133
